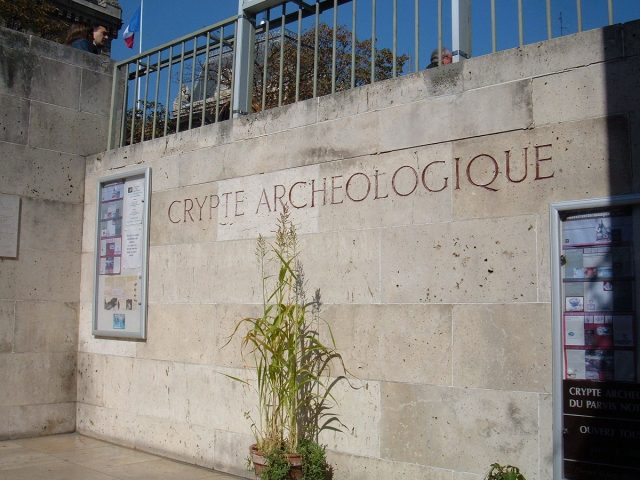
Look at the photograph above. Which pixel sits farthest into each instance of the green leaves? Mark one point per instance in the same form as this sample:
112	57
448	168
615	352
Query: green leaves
506	472
293	364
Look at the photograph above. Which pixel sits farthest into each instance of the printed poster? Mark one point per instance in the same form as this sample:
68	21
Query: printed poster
594	229
576	364
574	330
110	266
111	210
134	202
112	191
110	247
132	246
121	293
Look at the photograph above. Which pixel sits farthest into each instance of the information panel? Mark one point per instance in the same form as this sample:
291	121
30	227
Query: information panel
122	238
600	391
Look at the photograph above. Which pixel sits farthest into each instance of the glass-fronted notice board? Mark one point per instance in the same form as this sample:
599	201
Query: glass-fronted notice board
120	285
599	328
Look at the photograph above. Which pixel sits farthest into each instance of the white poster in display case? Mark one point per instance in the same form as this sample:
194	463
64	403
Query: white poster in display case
121	258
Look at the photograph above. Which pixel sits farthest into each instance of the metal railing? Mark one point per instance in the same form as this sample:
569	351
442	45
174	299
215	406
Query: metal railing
277	52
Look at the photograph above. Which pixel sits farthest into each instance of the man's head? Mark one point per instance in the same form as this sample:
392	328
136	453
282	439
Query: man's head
447	57
100	36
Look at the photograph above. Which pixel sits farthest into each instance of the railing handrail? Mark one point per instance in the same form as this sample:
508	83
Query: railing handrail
177	41
199	56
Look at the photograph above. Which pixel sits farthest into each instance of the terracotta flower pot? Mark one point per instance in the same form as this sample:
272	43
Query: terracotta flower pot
260	463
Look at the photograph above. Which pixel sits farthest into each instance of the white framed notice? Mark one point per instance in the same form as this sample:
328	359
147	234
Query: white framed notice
121	258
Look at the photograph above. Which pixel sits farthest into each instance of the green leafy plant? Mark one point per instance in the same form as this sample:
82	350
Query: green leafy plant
314	461
506	472
277	466
293	361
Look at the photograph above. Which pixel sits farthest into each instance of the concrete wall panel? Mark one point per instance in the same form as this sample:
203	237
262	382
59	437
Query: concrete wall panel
14	119
66	130
33	420
43	137
41	174
401	343
95	93
46	327
494	179
56	83
416	421
470	261
502	347
7	325
42	387
367	468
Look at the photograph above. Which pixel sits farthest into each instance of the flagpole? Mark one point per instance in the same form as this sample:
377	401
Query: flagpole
140	51
141	17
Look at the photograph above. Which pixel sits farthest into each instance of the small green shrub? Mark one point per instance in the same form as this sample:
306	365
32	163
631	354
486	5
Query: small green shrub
314	461
506	472
277	466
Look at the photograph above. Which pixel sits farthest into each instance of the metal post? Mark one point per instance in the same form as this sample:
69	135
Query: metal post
461	29
245	31
112	109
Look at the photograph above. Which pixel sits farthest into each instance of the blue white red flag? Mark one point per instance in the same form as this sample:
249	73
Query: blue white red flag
133	27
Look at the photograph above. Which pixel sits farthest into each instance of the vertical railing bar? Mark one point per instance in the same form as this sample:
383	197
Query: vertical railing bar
298	48
124	105
520	25
180	88
610	12
315	50
494	46
155	98
373	41
394	55
353	42
220	47
112	108
207	52
579	13
265	63
281	69
144	103
135	102
166	114
416	33
233	70
549	31
439	32
193	79
334	46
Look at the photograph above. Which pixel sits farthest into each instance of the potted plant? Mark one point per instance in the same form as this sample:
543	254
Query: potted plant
293	364
506	472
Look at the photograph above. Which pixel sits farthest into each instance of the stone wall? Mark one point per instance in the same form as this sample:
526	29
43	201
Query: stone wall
54	111
422	205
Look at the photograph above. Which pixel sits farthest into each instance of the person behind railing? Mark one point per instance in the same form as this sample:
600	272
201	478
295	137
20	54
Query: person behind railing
80	36
447	57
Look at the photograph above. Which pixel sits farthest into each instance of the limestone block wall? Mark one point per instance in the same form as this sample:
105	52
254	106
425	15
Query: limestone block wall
422	207
54	105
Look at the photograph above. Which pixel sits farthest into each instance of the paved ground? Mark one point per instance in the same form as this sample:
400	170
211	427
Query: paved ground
75	457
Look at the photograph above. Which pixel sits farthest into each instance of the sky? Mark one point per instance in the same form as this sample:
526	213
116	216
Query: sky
165	20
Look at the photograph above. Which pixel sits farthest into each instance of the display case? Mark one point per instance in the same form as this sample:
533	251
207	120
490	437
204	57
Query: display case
122	238
596	391
598	291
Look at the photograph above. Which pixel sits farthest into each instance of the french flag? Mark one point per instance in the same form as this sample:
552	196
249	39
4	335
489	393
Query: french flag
133	27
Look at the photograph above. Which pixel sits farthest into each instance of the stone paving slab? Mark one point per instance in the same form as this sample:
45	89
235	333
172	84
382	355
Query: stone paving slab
76	457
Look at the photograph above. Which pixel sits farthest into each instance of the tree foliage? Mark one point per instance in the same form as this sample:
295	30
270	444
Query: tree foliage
37	17
277	91
324	75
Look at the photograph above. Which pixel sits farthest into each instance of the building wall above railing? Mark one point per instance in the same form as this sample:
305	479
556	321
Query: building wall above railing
277	52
